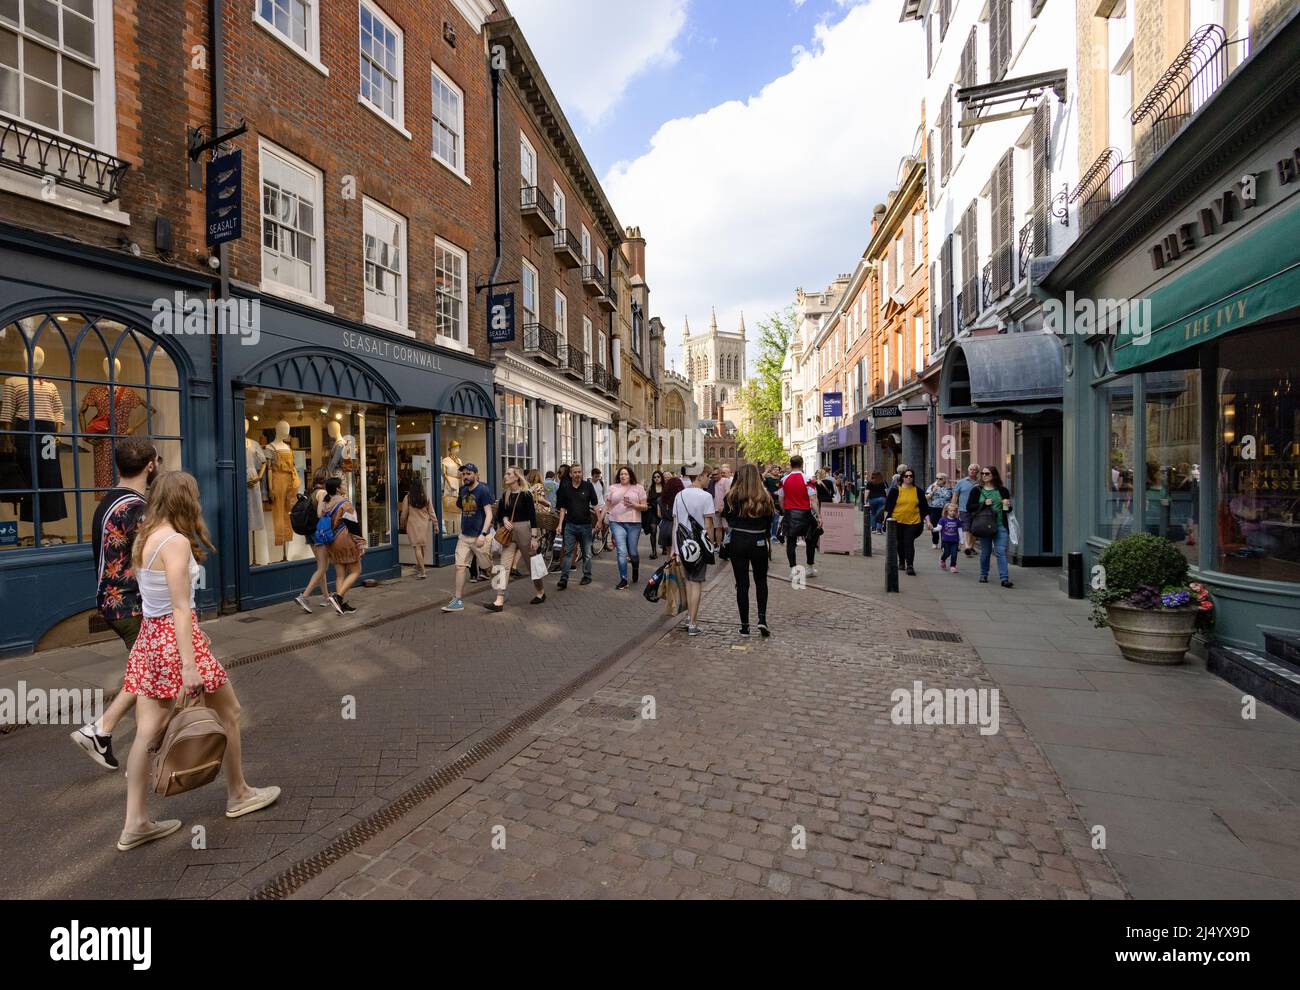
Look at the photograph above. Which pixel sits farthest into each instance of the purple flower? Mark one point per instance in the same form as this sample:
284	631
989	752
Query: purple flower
1176	599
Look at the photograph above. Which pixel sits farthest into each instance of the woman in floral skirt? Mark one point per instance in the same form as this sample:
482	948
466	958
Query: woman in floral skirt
172	657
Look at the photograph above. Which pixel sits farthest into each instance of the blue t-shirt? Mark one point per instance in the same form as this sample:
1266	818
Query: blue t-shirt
964	488
472	502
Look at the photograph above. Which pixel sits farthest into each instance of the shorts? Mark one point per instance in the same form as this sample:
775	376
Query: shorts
128	629
697	574
466	548
965	522
154	668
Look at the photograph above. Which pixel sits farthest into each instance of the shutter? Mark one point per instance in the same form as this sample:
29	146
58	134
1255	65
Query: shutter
1042	176
996	68
970	276
967	75
929	45
929	170
996	194
1003	8
949	300
945	15
1004	219
945	136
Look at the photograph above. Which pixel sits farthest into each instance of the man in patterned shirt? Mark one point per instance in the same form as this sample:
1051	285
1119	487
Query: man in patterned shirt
118	596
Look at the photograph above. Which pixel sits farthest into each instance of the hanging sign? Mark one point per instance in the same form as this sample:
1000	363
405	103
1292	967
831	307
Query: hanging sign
501	319
224	215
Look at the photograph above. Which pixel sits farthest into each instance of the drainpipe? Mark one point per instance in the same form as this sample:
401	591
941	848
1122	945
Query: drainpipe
496	168
230	556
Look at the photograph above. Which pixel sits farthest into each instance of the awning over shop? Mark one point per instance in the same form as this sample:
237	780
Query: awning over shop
1254	277
1018	376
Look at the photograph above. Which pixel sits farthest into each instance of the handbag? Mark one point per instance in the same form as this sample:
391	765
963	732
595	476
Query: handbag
190	749
503	536
724	551
654	586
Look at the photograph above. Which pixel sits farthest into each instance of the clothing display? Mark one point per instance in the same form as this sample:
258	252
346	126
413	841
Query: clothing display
283	475
125	401
256	459
343	458
49	471
43	403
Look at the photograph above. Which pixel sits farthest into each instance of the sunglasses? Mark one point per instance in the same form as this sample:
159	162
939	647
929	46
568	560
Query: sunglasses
987	474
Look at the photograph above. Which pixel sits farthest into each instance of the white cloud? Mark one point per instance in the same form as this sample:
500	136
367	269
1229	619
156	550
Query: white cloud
745	202
618	40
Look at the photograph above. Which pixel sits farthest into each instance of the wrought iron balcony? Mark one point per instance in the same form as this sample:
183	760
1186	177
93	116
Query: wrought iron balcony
568	248
598	378
593	280
1025	247
1186	86
573	362
537	211
37	152
614	384
542	343
1101	185
608	299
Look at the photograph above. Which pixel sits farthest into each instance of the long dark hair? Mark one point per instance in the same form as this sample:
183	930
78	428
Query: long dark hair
631	475
748	496
657	483
416	497
997	477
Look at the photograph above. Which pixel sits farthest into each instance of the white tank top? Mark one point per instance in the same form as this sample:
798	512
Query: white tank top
155	596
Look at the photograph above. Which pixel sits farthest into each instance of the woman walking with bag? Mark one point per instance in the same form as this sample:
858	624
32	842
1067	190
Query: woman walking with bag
904	506
626	501
650	517
172	659
990	511
518	514
347	545
320	552
748	509
415	515
693	528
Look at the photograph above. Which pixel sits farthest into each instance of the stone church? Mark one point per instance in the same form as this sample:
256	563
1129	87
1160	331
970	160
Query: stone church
715	366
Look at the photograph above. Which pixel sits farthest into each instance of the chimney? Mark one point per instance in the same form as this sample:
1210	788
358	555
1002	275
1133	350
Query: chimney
634	251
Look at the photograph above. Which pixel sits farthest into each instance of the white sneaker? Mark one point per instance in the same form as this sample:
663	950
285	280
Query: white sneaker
303	604
811	572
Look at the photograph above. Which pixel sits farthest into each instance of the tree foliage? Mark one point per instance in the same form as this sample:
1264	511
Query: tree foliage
760	439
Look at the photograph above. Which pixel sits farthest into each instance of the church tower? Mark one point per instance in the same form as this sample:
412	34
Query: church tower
715	365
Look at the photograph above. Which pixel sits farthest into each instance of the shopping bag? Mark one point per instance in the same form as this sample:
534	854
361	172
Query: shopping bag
1013	529
673	592
538	566
654	586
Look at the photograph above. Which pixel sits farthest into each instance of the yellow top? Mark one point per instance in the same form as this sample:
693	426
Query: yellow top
907	510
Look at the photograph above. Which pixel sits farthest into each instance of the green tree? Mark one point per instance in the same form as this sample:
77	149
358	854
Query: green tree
760	439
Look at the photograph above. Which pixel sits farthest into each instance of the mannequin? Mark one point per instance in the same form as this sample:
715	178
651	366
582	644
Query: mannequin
33	407
343	451
255	461
284	483
124	401
451	488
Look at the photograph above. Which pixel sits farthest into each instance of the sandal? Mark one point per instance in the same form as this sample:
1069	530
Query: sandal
262	797
155	831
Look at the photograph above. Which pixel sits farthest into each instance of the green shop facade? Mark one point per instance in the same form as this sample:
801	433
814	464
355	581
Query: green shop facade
1182	400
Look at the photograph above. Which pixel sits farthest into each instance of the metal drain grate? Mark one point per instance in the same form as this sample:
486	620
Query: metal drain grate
613	713
925	660
934	635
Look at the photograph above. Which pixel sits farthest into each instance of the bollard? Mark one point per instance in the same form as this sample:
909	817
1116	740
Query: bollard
1075	572
891	558
866	529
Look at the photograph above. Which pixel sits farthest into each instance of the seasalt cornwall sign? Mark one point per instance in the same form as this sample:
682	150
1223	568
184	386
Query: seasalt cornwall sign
391	350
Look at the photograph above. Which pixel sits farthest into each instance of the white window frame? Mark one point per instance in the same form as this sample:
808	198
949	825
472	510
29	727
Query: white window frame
401	325
884	377
315	298
398	120
527	181
900	260
536	315
600	261
898	338
918	342
918	239
560	204
586	244
561	316
310	54
449	248
601	358
588	336
459	168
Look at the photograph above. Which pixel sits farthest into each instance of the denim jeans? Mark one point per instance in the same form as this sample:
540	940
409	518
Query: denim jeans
776	523
877	512
990	545
627	536
576	533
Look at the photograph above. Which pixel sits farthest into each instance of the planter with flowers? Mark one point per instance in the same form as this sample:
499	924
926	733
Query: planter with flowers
1151	608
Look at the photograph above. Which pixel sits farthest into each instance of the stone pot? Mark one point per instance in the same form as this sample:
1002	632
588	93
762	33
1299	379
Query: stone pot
1155	636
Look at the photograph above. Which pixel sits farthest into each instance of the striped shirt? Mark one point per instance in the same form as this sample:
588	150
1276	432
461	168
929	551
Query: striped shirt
46	403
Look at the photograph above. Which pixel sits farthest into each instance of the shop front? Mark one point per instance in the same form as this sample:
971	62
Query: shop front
1183	412
380	412
84	362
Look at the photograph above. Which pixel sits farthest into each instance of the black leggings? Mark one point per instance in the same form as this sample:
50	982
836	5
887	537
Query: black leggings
750	550
907	534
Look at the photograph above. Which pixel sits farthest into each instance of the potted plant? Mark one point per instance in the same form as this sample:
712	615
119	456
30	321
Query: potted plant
1146	600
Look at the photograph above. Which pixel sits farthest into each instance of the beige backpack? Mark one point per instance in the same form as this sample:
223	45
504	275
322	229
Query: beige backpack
190	750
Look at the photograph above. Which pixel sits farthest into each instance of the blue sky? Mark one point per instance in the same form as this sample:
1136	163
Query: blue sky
748	139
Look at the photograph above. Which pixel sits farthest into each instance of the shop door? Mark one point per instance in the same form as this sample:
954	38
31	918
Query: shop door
414	470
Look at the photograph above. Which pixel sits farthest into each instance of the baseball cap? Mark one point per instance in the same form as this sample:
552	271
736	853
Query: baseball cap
469	467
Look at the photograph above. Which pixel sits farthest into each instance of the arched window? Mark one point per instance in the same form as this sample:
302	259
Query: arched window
72	384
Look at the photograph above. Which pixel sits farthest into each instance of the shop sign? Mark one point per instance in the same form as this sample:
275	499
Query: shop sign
1226	207
501	319
832	405
224	217
391	350
8	534
888	412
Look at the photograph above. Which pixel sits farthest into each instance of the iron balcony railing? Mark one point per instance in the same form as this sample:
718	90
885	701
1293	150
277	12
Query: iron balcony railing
1186	86
566	239
1025	251
541	340
532	198
599	377
1101	185
969	300
960	313
987	298
573	360
33	151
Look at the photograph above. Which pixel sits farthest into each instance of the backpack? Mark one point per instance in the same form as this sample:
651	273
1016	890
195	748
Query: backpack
984	522
326	532
694	546
190	751
302	517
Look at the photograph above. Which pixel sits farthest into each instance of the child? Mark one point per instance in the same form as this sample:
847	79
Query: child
950	534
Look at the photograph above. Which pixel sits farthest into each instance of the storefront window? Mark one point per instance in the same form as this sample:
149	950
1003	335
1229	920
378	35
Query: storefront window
568	426
70	385
517	417
464	441
1258	482
1116	516
288	437
1173	454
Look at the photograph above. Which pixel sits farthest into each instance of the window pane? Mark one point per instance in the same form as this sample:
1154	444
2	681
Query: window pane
1116	516
9	11
78	79
42	17
1259	456
40	63
1173	452
78	35
78	118
42	105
